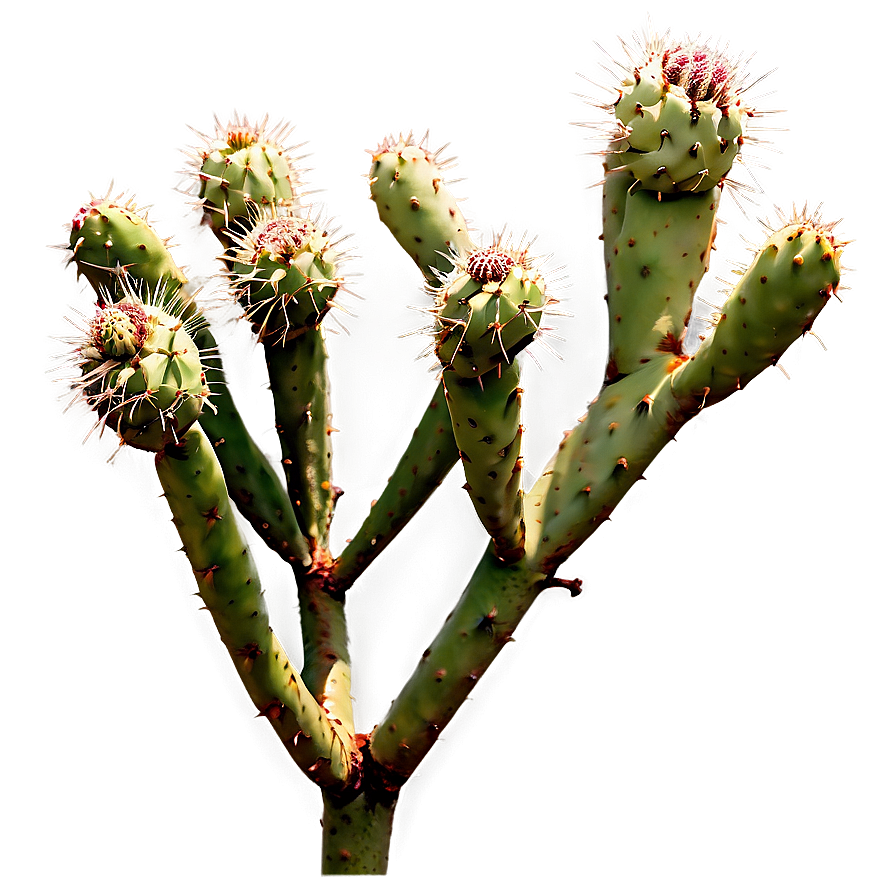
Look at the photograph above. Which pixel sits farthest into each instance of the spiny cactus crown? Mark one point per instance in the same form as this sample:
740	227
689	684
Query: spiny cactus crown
244	164
283	271
488	309
679	117
140	370
242	135
703	73
281	238
119	331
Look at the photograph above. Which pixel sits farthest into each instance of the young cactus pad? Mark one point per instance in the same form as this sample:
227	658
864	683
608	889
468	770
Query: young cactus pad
142	373
407	183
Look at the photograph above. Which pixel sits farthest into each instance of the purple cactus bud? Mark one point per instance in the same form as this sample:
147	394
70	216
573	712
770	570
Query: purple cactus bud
489	265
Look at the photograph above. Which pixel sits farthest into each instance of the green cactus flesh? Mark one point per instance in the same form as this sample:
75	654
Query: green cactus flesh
230	588
776	301
489	310
241	169
599	461
357	834
300	387
254	484
283	272
429	456
655	259
407	184
142	373
109	237
617	188
485	418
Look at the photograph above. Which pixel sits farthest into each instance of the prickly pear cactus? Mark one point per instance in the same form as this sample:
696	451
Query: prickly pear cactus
675	129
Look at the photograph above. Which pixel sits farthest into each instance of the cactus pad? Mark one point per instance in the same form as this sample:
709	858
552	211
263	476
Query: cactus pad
408	186
791	278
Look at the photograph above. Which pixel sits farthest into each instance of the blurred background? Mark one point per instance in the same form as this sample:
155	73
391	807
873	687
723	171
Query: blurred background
712	715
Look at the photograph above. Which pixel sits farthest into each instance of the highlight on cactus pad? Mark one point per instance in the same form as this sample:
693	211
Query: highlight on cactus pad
145	361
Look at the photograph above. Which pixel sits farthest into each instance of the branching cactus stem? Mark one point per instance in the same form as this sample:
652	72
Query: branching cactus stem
147	364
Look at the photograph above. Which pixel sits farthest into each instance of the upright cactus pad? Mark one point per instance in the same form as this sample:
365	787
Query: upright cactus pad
242	166
109	237
141	372
407	183
680	118
489	310
284	273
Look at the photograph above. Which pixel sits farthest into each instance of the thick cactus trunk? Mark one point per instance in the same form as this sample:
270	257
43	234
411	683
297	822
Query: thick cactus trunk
356	835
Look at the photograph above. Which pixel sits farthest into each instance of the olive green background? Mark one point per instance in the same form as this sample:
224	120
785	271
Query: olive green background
730	662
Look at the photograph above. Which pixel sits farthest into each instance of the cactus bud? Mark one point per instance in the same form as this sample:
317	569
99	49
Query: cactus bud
489	310
680	118
141	372
243	166
283	270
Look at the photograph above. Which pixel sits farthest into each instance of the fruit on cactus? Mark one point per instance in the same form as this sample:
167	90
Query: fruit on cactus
283	271
680	117
489	309
109	237
141	372
407	183
241	167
